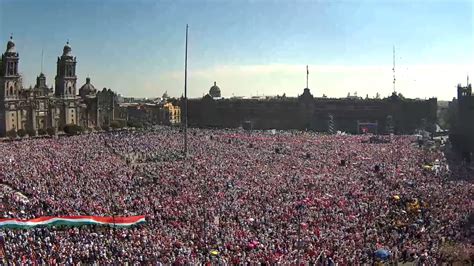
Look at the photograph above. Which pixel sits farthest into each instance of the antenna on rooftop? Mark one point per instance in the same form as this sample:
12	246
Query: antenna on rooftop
393	69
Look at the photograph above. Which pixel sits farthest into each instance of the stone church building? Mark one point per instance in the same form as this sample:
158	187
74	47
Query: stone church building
42	107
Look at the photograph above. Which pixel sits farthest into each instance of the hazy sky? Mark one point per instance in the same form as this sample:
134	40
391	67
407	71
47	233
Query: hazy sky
249	47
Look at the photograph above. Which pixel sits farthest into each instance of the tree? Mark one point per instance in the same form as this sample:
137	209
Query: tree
42	132
51	131
135	124
12	133
115	124
31	132
21	133
71	129
122	123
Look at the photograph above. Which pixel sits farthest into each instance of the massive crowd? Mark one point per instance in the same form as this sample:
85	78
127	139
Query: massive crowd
239	197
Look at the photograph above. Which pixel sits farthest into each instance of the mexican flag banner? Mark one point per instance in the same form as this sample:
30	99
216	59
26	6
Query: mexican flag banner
71	221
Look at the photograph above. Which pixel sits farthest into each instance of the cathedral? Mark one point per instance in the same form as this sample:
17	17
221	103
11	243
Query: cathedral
41	107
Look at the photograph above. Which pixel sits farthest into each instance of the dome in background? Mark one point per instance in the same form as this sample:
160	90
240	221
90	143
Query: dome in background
67	51
87	89
215	92
11	46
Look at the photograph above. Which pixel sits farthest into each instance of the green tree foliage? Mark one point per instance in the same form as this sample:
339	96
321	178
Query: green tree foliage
134	124
12	133
72	129
21	133
51	131
31	132
42	132
115	124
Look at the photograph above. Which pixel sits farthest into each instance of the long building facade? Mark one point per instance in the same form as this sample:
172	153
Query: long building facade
41	107
394	114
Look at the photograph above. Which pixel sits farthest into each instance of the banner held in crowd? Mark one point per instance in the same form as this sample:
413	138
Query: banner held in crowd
71	221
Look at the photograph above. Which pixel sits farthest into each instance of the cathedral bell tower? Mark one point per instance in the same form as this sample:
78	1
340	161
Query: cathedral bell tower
65	89
11	116
10	80
66	74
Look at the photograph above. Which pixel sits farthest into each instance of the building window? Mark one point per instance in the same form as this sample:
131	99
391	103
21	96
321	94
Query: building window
10	70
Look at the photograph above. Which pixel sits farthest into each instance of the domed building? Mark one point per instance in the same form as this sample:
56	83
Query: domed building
215	91
89	104
98	106
87	89
10	46
67	50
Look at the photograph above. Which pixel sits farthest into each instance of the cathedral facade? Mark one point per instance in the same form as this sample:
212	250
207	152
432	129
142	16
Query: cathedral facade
42	107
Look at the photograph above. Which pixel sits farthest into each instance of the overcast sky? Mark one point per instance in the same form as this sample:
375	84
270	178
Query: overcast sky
249	47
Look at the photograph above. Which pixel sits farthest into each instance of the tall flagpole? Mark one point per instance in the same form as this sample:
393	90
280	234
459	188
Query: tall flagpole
307	74
41	60
186	96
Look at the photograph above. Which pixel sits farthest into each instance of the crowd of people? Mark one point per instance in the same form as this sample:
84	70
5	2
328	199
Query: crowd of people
238	197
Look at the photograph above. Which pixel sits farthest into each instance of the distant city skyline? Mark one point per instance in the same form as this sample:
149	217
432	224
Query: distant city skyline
249	47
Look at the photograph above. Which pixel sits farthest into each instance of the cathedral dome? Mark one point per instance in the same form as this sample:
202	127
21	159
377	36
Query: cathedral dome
215	92
87	89
67	49
11	46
